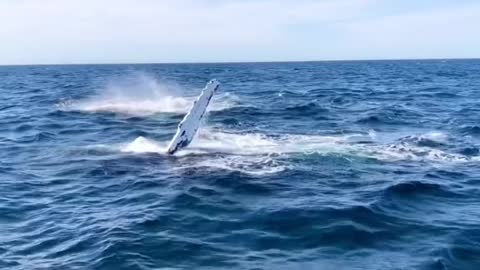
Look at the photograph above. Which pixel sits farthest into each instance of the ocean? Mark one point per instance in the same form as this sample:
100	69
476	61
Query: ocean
301	165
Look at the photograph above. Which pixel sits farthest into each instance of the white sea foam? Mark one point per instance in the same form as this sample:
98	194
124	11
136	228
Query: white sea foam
399	152
251	153
143	95
257	154
436	136
416	147
209	141
144	145
253	165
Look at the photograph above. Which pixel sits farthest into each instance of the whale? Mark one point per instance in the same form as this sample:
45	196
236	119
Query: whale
188	127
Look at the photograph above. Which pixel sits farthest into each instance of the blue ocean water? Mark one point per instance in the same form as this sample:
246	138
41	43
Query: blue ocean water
317	165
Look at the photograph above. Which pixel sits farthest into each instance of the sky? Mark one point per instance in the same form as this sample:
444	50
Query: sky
165	31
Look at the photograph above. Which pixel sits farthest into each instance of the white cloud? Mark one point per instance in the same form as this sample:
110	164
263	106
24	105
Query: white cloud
86	31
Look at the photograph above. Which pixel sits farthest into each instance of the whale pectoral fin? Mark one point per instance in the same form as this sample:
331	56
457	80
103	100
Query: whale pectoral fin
188	127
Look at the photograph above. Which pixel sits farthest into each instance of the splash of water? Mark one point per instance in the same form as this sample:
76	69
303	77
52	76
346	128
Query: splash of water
142	95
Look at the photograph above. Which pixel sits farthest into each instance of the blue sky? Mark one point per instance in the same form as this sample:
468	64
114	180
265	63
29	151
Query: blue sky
155	31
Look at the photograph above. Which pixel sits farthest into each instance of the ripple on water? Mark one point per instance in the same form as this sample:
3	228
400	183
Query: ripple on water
318	165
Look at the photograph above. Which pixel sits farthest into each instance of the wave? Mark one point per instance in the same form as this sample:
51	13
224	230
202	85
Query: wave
430	139
413	188
470	130
389	115
306	109
36	136
142	95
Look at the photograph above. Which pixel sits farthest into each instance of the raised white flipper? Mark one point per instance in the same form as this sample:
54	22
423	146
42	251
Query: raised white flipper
189	125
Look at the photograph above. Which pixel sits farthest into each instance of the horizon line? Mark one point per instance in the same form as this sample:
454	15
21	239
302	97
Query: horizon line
244	62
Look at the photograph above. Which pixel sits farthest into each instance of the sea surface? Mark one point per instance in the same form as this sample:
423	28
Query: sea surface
308	165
